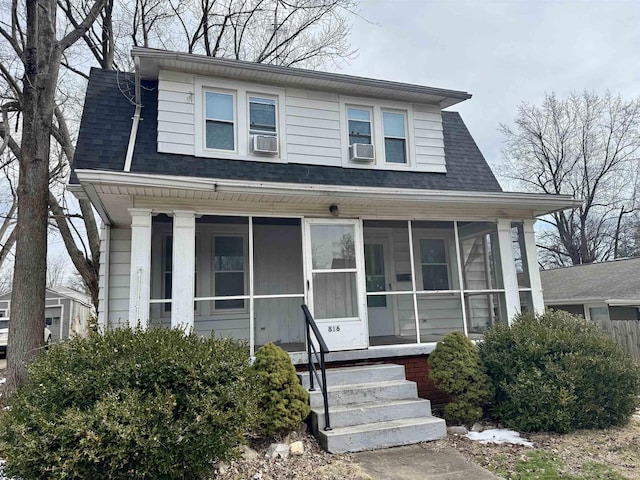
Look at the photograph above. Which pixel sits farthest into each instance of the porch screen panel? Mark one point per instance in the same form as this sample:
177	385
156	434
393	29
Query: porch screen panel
389	288
280	321
278	283
222	277
438	315
482	276
161	271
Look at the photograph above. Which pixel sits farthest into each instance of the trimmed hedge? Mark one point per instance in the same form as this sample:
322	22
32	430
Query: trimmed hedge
156	404
557	372
455	368
283	402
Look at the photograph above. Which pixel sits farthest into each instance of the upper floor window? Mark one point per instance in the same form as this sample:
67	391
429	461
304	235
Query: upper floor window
433	262
262	116
395	137
359	125
220	121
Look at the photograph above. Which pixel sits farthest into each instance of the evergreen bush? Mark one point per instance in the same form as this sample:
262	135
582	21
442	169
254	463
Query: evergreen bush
455	368
558	372
156	404
283	403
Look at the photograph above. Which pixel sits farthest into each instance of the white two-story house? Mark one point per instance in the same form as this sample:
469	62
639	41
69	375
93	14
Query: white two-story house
232	193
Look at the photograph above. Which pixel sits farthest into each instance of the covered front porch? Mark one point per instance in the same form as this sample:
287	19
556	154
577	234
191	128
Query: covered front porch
384	271
369	283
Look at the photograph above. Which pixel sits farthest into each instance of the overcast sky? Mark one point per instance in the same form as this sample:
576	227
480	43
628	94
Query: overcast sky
503	52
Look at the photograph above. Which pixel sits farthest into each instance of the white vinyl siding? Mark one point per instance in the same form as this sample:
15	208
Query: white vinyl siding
312	117
312	126
119	271
429	140
176	120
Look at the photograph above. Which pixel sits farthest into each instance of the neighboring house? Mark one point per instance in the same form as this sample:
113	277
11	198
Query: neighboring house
597	291
233	192
67	312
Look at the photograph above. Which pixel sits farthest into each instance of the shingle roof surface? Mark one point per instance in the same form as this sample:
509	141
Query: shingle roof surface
619	280
106	125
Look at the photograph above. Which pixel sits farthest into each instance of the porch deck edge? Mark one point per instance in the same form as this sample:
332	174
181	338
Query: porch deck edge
300	358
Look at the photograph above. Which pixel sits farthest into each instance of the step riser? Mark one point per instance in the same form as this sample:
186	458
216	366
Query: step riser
354	376
370	414
373	393
405	435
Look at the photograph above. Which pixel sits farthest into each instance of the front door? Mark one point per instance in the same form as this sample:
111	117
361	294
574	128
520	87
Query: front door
334	269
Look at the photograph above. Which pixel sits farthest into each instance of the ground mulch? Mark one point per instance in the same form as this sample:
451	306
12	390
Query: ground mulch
314	464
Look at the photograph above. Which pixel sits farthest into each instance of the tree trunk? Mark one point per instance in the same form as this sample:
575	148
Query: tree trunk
41	64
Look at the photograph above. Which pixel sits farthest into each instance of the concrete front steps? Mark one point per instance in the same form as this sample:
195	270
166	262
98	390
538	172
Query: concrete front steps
371	407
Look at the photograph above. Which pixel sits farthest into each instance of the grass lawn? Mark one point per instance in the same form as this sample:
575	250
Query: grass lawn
612	454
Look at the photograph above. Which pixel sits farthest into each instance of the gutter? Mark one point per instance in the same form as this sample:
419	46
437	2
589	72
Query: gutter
549	203
136	119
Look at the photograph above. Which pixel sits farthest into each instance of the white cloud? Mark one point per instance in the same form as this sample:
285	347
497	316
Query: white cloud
502	52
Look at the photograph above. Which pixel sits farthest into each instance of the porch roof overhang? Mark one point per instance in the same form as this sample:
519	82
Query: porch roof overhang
112	193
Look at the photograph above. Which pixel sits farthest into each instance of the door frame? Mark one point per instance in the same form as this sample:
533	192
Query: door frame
361	322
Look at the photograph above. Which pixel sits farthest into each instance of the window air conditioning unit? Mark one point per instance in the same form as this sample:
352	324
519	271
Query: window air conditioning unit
264	144
362	152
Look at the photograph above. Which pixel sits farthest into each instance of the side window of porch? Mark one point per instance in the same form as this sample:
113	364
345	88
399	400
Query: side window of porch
433	264
229	268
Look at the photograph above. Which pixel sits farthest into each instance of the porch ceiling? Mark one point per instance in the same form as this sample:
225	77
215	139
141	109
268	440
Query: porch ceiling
112	193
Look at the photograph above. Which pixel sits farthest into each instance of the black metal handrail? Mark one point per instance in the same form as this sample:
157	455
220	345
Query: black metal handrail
311	326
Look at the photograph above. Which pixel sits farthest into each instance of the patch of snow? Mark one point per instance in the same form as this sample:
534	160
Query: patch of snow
2	380
499	435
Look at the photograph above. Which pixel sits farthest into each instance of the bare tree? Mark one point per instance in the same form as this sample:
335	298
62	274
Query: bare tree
56	270
32	59
587	146
40	54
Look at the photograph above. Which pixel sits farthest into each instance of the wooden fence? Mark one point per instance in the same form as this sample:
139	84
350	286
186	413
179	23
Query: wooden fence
625	333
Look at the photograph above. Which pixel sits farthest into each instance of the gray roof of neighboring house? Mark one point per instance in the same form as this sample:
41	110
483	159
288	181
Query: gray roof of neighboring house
614	280
106	125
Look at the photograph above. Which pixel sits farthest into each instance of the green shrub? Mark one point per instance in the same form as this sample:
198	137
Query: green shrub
455	368
557	372
284	403
158	404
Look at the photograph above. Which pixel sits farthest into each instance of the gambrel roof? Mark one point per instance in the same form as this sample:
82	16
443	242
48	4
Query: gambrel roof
106	125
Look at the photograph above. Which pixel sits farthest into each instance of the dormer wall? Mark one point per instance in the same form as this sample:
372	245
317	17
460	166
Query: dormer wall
212	117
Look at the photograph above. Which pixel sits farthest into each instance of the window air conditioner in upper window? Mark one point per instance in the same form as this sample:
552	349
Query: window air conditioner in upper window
362	152
264	144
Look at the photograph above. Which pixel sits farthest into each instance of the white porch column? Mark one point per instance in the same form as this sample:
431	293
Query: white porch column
532	265
508	265
184	267
140	274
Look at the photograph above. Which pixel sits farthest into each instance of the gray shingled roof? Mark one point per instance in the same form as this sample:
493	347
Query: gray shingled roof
617	280
106	124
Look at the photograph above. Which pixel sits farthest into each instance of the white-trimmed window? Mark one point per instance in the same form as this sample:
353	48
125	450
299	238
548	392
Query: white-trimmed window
360	125
263	115
220	121
229	271
434	267
394	126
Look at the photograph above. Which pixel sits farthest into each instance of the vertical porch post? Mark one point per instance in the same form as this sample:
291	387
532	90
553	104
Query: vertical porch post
532	266
508	265
184	267
140	276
